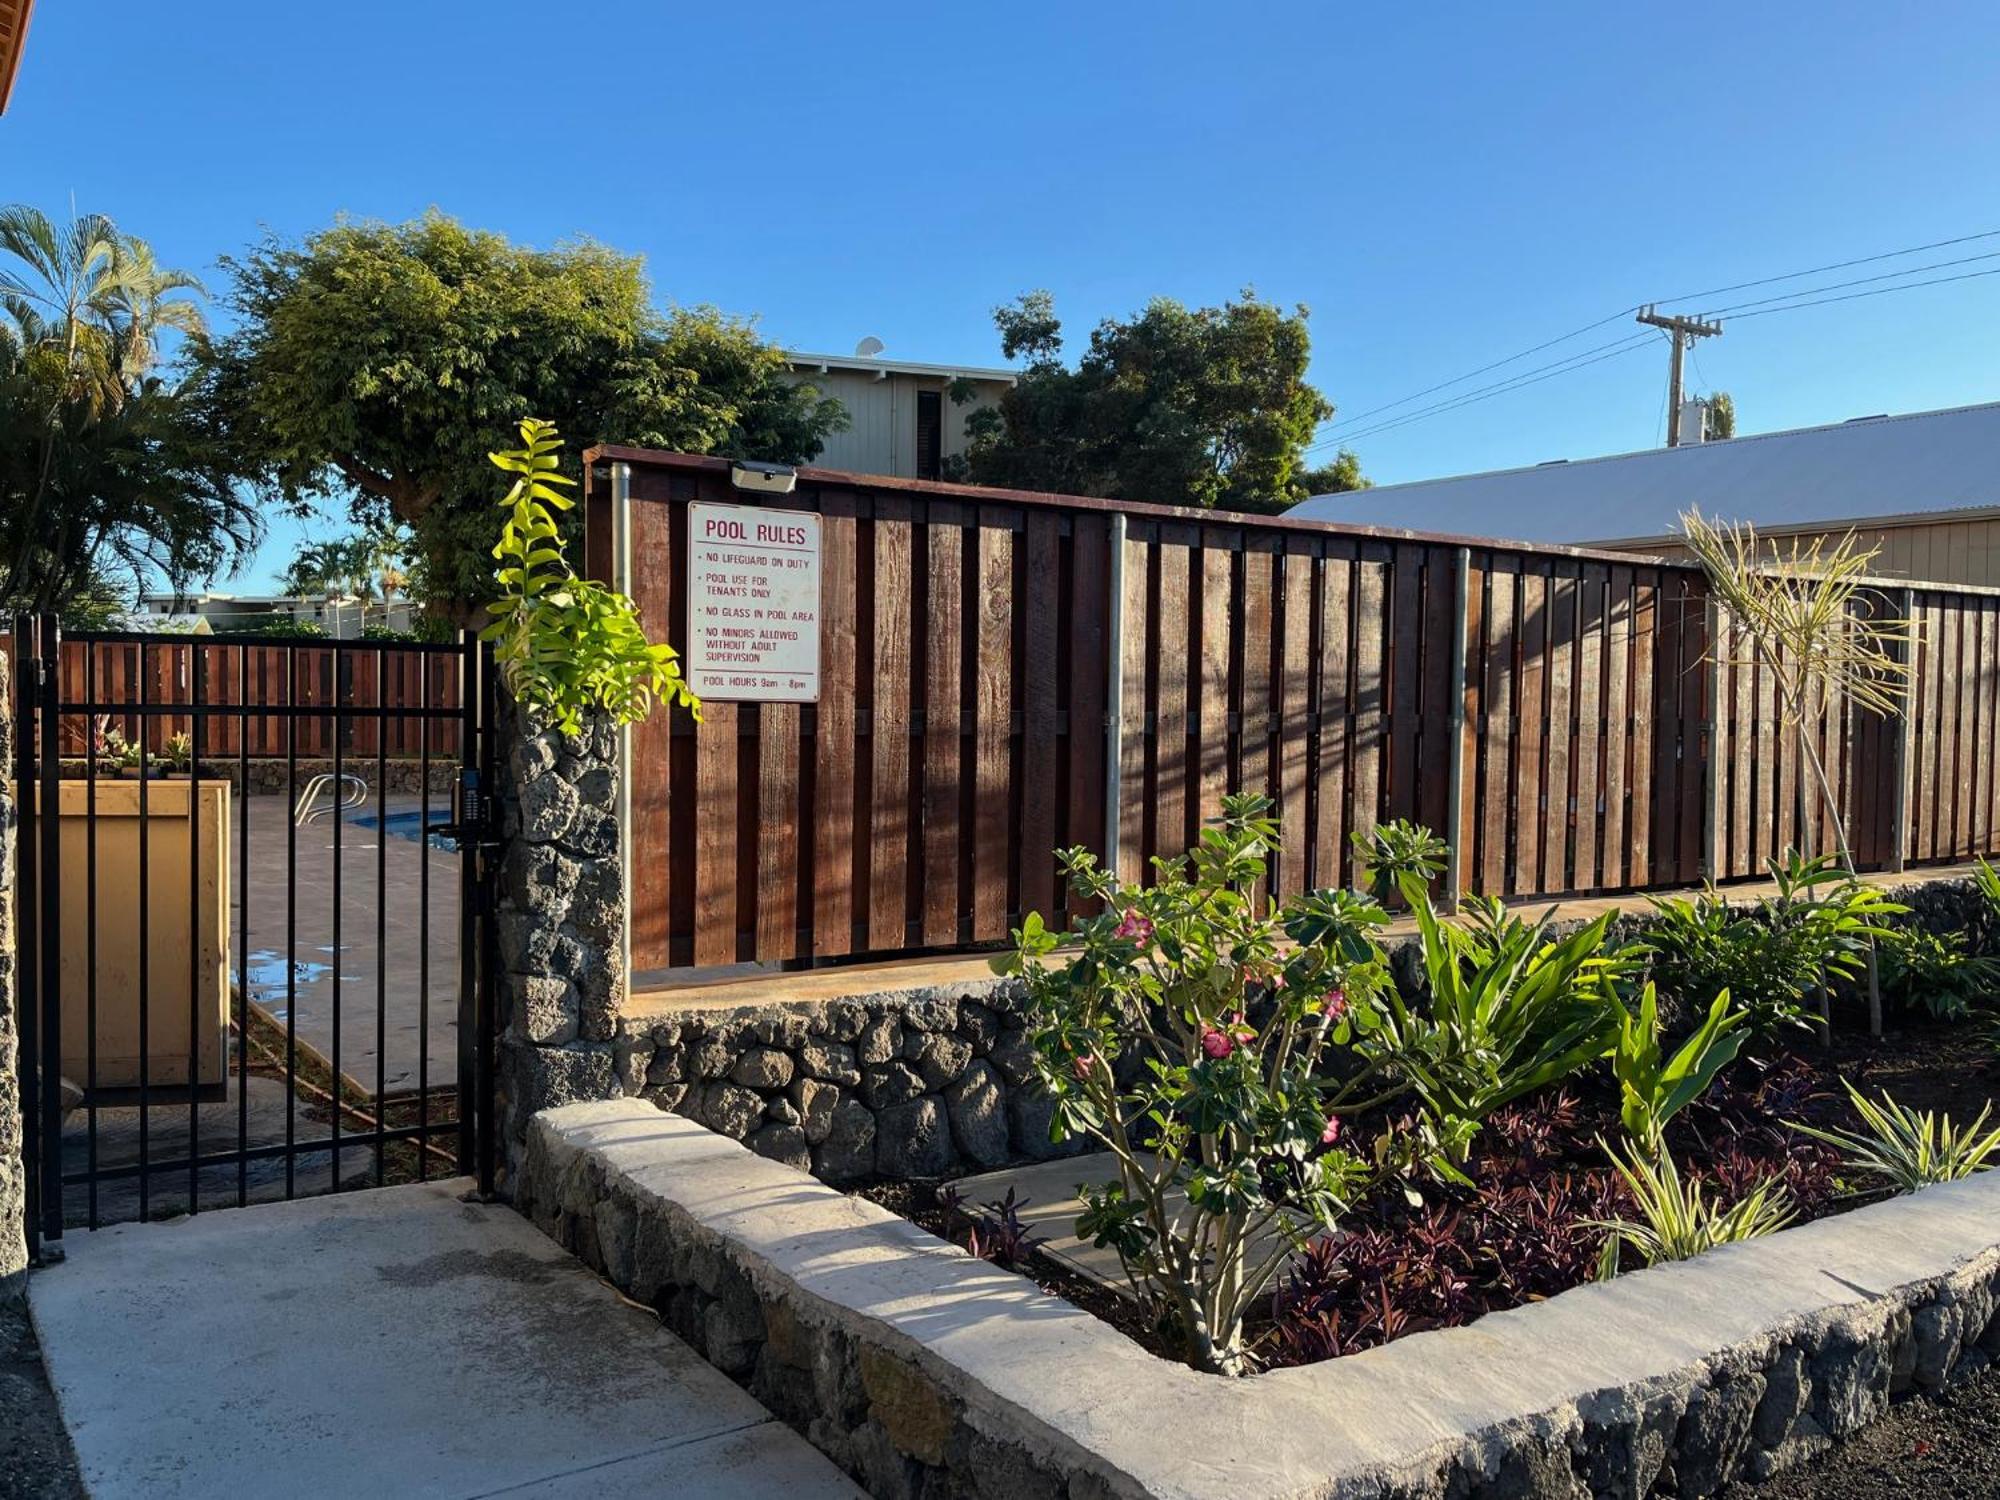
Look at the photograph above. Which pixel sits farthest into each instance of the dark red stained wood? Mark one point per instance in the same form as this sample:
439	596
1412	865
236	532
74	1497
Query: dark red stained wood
944	705
1436	687
1370	685
833	862
1592	581
1472	691
1405	682
1254	692
1986	684
994	707
1531	711
1965	688
1174	785
1924	800
1294	724
778	750
1785	799
653	871
716	847
1562	727
1644	692
1212	684
889	738
1132	788
1617	867
1496	788
1041	668
1692	681
1089	591
1336	603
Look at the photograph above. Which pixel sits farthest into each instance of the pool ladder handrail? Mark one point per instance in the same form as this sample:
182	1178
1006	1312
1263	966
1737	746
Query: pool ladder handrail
353	792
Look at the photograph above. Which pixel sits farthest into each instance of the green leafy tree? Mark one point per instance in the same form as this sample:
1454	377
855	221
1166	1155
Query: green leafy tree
1183	406
374	361
111	475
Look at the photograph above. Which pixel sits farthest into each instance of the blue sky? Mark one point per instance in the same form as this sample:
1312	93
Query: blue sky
1442	185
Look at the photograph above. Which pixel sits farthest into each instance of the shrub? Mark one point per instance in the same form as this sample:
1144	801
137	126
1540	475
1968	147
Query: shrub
1772	958
1508	1012
1906	1148
565	644
1389	851
1217	1070
1677	1217
1933	970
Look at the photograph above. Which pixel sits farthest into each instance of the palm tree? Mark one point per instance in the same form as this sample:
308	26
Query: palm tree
82	309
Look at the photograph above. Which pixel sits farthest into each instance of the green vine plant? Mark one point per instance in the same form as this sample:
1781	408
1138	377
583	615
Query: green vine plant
566	645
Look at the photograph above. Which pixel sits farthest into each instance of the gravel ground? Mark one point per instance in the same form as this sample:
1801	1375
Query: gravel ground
35	1458
1942	1447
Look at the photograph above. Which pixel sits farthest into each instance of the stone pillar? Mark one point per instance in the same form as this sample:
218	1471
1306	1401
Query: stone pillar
13	1172
560	914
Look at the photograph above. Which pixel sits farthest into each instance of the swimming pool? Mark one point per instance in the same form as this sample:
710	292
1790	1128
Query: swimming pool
410	825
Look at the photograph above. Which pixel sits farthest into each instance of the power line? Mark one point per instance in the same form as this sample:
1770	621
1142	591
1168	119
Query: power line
1611	351
1879	291
1839	265
1835	286
1343	429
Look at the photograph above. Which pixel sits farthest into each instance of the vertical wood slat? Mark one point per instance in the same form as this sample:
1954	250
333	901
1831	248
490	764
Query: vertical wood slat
993	733
1336	584
1501	734
1293	771
1592	582
1435	690
889	736
944	704
833	864
1171	767
1530	712
1132	800
1405	681
1089	591
1370	714
1212	715
1040	674
1562	728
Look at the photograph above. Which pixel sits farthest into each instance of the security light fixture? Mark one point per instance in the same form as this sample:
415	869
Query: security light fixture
768	479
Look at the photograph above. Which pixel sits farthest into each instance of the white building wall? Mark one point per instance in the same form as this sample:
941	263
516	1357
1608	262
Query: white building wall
882	411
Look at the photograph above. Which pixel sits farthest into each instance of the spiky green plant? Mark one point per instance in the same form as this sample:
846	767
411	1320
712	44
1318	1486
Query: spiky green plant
1653	1087
1815	634
1677	1219
1908	1148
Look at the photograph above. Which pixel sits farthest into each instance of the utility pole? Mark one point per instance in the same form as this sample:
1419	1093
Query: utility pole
1683	332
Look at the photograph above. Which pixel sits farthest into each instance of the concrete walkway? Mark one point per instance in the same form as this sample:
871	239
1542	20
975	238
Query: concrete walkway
391	1342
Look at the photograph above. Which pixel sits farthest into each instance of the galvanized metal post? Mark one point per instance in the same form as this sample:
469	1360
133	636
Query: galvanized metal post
1114	693
1899	764
1454	869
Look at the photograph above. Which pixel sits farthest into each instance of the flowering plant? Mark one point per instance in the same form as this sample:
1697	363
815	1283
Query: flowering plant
1213	1060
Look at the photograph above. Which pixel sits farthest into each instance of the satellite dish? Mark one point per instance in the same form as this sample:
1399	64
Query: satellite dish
868	348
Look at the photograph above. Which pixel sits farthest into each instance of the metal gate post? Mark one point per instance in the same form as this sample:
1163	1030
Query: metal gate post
48	723
28	918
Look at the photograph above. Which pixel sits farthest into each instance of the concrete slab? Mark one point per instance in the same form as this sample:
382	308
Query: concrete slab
398	1341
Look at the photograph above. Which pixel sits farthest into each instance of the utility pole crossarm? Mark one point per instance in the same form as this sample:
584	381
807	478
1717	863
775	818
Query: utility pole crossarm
1683	332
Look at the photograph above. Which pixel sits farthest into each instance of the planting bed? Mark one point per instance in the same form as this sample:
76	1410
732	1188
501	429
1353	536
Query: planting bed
1525	1233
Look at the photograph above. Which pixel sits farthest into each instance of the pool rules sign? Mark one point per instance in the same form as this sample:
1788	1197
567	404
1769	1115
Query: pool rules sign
753	604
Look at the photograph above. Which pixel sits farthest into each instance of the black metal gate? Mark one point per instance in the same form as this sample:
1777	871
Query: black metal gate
253	939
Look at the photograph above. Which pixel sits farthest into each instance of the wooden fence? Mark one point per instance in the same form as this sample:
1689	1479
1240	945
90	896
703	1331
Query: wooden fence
320	680
1552	711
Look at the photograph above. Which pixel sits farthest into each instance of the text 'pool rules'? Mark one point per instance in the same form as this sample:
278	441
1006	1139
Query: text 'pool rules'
753	604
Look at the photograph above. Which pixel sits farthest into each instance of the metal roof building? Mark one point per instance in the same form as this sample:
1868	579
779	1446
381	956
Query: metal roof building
1924	487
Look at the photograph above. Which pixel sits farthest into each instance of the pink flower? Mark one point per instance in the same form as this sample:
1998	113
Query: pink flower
1136	926
1083	1066
1335	1004
1332	1132
1217	1043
